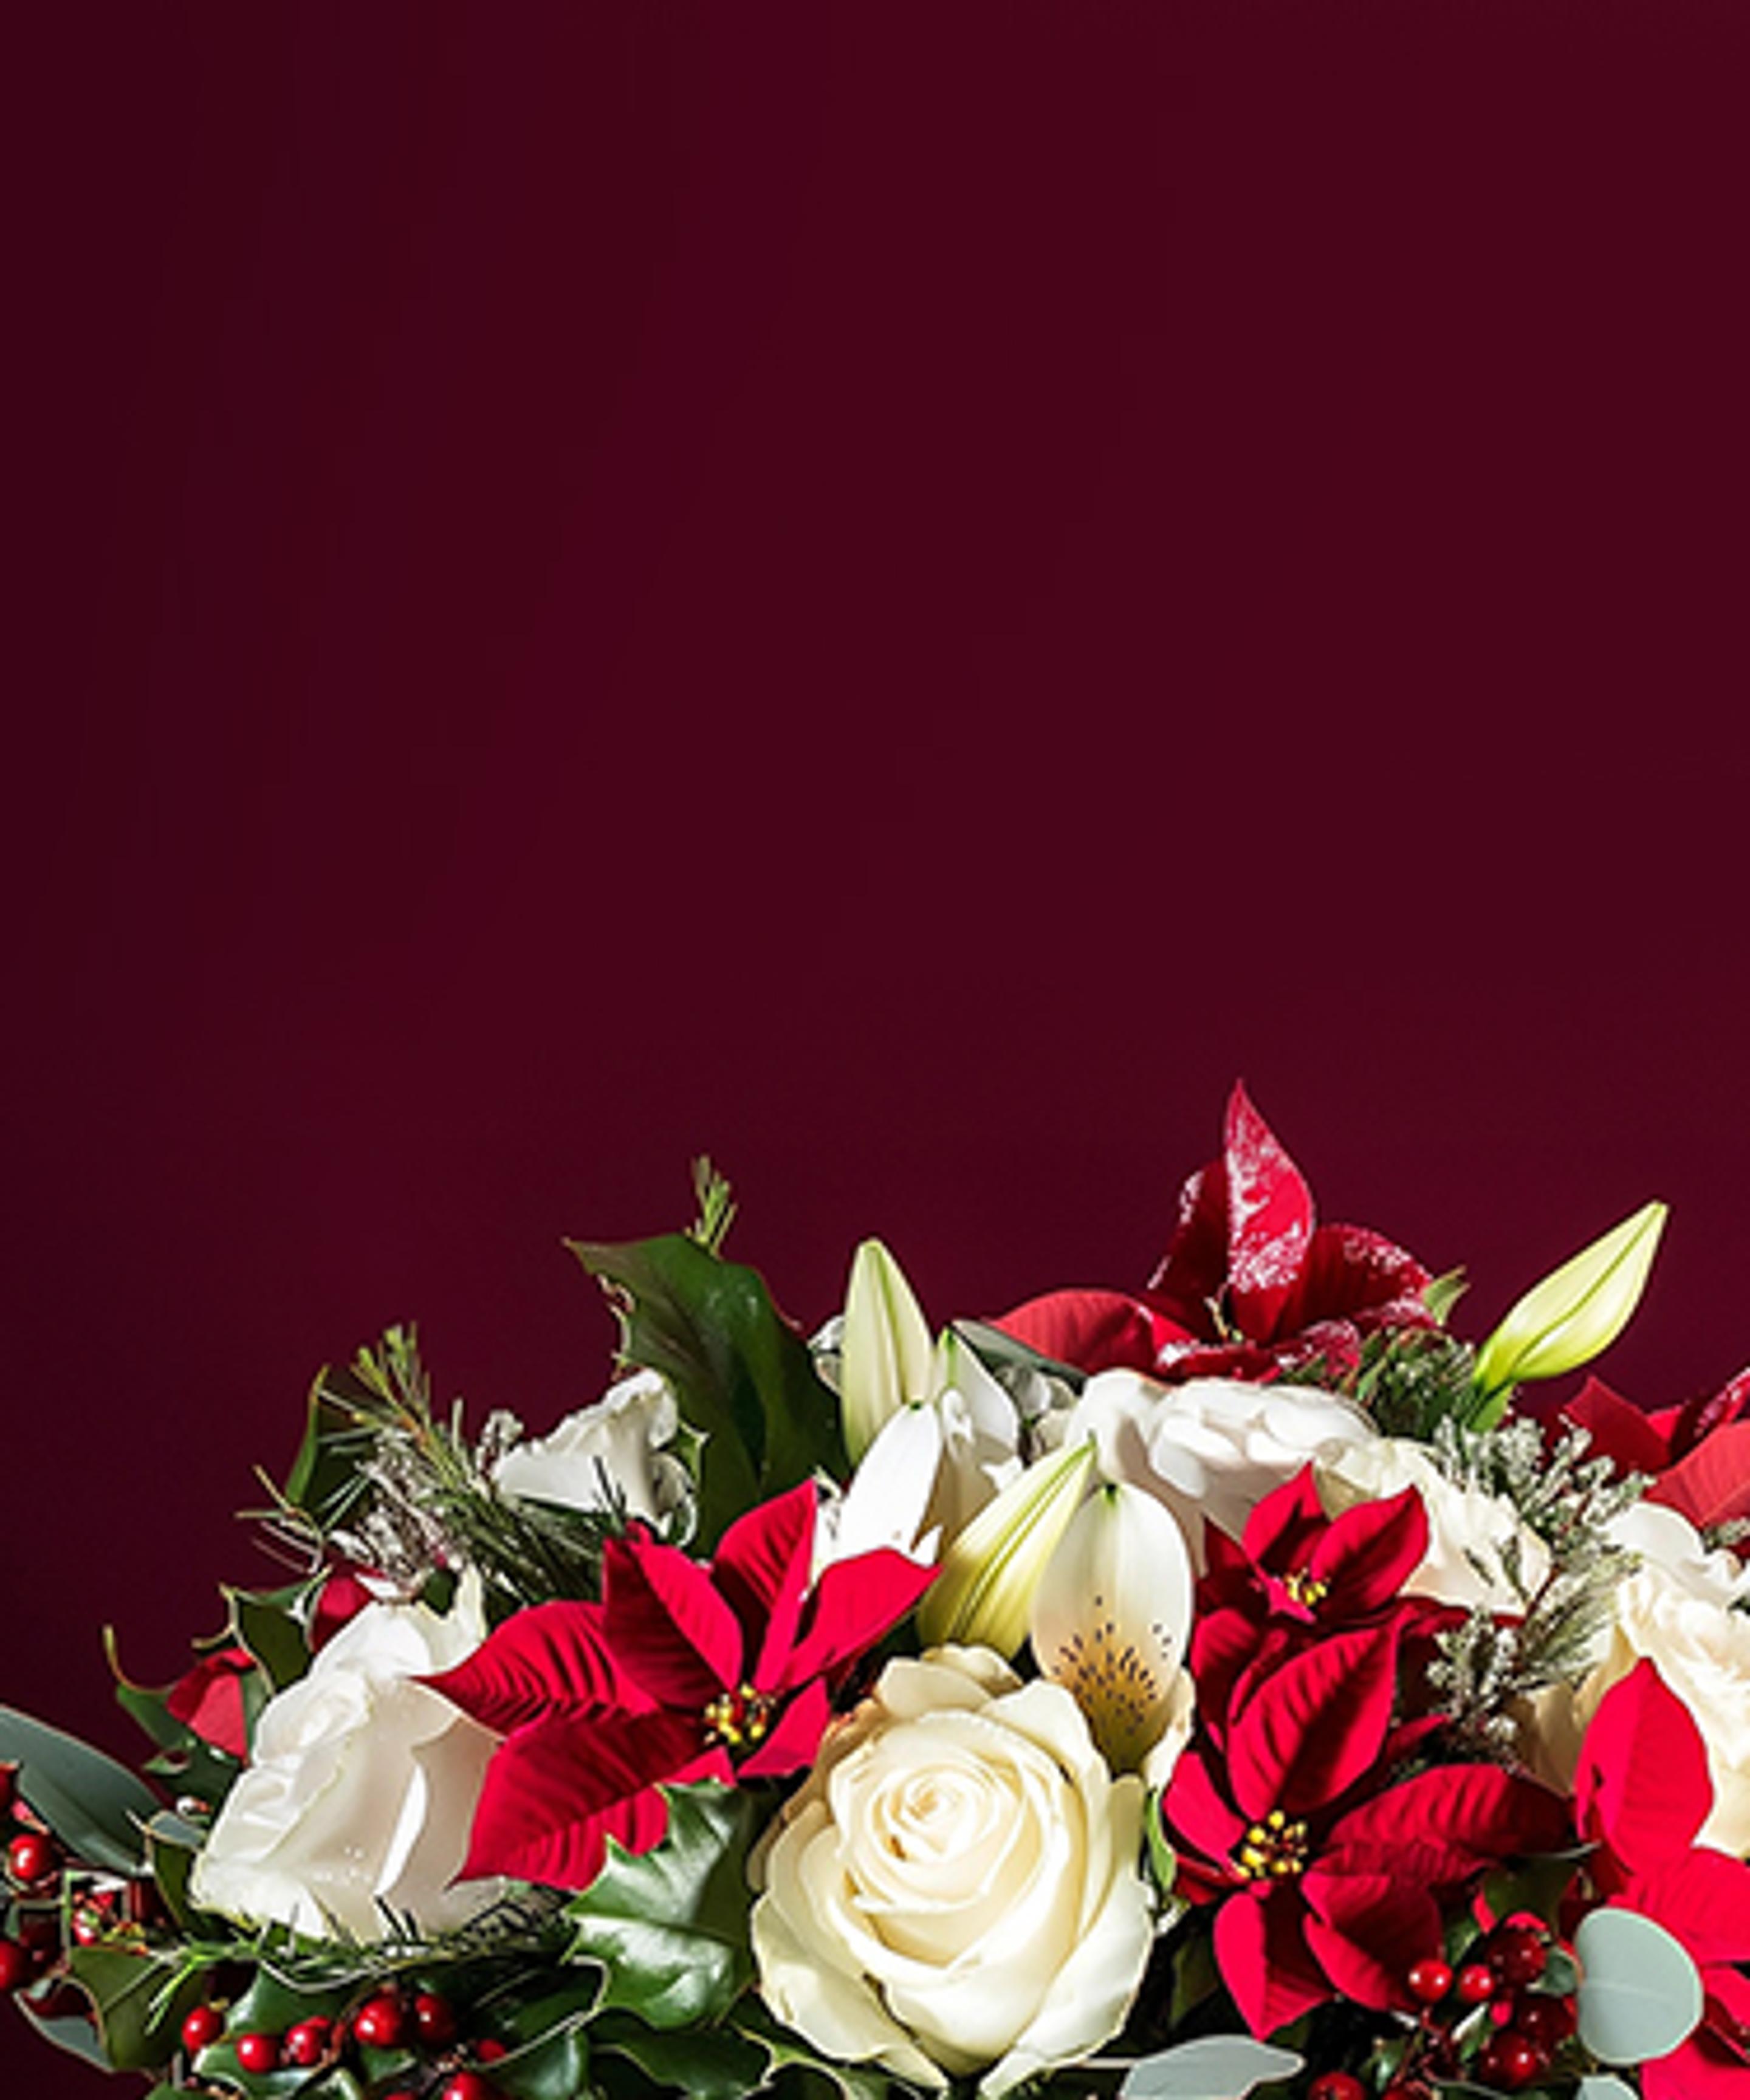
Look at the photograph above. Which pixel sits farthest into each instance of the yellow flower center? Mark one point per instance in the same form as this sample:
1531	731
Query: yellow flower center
738	1720
1274	1850
1305	1588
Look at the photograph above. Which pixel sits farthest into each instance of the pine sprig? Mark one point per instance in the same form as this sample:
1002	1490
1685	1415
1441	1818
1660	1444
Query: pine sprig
1411	1379
434	1506
1567	1500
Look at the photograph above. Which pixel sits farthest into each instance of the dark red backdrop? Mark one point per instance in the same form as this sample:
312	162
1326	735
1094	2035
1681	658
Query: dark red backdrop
899	595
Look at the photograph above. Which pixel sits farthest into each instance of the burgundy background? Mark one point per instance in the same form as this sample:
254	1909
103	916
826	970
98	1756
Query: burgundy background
899	595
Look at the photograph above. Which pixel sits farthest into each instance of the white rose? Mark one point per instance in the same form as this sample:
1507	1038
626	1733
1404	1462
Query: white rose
955	1888
1701	1647
1461	1521
361	1787
1211	1449
613	1446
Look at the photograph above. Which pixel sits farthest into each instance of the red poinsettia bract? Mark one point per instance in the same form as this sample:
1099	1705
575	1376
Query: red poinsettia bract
1327	1871
681	1672
1250	1285
1698	1453
1641	1794
1296	1575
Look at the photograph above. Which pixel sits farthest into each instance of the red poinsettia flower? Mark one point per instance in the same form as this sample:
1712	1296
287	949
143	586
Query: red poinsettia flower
1249	1286
681	1672
1698	1453
1295	1574
1641	1794
1328	1873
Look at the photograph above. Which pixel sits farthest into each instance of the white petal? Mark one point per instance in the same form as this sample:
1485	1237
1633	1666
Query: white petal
1112	1616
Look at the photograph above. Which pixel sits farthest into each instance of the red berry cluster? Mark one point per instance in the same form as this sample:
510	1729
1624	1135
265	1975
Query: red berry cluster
32	1870
386	2021
1526	2025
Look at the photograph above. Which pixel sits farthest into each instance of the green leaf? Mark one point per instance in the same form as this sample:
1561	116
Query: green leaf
785	2051
324	1482
670	1925
267	1624
139	2016
714	2063
93	1805
996	1351
1640	1993
172	1862
1539	1887
1442	1294
555	2067
742	1375
71	2031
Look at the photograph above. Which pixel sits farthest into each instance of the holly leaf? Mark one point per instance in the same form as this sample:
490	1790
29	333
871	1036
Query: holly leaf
265	1623
670	1925
785	2051
717	2064
138	2000
95	1806
743	1376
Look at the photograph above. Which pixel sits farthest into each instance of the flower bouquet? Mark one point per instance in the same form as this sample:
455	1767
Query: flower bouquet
1234	1685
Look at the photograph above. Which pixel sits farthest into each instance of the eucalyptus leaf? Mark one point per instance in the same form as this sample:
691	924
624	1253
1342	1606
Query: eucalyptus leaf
72	2032
742	1376
93	1805
1217	2068
1604	2087
670	1925
1640	1993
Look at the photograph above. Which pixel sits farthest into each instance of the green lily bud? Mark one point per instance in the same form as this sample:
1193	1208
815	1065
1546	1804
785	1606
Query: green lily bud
1577	1312
885	1355
983	1595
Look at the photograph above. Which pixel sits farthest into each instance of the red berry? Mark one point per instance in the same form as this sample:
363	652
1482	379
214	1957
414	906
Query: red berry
203	2027
30	1858
434	2019
490	2050
1430	1979
258	2052
380	2023
17	1967
1517	1954
1545	2020
1511	2062
1475	1982
307	2043
469	2085
1336	2085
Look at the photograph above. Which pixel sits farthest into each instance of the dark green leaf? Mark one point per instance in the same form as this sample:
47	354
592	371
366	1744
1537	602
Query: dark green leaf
172	1863
744	1377
139	2017
787	2052
670	1925
996	1351
93	1805
555	2067
71	2031
711	2063
267	1626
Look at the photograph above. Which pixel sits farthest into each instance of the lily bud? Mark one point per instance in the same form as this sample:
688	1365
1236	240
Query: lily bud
1112	1614
885	1353
1577	1312
983	1596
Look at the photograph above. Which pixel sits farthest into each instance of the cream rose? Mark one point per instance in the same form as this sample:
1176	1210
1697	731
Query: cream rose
955	1889
361	1787
1463	1522
612	1448
1211	1449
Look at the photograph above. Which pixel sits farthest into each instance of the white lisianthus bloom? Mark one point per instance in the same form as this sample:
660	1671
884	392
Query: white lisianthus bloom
955	1891
613	1447
361	1787
1211	1449
1461	1522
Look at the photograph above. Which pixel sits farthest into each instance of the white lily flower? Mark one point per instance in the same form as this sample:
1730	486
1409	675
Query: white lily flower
1577	1311
886	1358
984	1595
1112	1616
